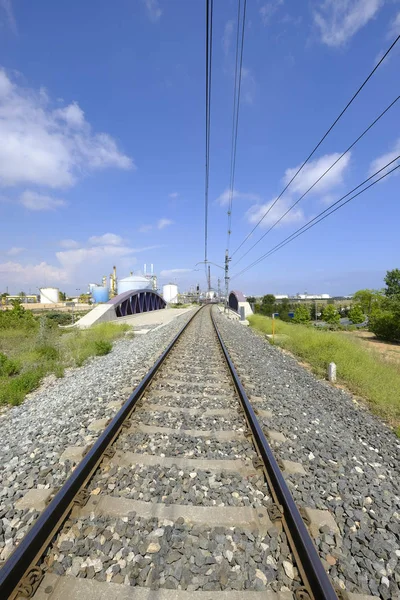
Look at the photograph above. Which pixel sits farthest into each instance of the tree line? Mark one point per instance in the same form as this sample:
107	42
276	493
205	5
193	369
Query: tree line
379	308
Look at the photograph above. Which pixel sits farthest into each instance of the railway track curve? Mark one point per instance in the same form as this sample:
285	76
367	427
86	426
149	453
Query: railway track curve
180	494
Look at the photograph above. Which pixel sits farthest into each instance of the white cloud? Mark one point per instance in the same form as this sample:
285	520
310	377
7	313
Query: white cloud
315	169
34	201
307	177
71	260
227	37
171	272
108	239
257	211
145	228
394	29
268	10
161	223
69	244
223	199
43	147
14	251
173	195
72	114
248	86
6	6
153	10
339	20
75	264
40	274
384	159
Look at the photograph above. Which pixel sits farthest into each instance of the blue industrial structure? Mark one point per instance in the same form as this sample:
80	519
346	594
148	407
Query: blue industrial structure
137	301
100	294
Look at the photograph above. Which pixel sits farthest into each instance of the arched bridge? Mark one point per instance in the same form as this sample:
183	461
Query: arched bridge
235	297
137	301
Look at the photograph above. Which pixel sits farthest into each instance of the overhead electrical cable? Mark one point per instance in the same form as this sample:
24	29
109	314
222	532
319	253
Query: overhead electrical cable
319	178
324	214
209	17
235	114
319	143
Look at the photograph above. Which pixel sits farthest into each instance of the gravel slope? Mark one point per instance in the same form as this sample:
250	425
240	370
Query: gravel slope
35	434
351	459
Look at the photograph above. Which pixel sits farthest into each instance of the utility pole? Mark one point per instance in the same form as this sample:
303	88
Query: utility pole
209	280
219	289
227	259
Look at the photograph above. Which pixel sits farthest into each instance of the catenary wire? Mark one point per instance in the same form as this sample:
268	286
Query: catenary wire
209	15
320	142
235	115
319	178
320	216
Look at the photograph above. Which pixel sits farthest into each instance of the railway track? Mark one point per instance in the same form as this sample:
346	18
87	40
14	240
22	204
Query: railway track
180	494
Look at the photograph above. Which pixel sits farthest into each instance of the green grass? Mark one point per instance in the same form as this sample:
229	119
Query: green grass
27	355
363	371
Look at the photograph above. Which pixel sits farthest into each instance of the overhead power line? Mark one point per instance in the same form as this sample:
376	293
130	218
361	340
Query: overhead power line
319	178
235	114
325	213
209	17
320	142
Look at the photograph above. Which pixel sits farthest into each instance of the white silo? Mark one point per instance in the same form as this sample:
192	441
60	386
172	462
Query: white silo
170	293
49	295
133	282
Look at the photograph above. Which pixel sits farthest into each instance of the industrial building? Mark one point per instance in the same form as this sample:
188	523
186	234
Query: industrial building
133	282
170	293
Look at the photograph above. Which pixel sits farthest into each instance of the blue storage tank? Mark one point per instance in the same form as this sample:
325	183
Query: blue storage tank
99	294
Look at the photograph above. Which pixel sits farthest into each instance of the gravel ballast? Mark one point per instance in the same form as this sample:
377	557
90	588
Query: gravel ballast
146	552
182	486
350	456
35	434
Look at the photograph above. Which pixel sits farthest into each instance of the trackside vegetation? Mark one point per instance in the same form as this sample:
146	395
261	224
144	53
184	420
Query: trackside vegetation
363	371
33	347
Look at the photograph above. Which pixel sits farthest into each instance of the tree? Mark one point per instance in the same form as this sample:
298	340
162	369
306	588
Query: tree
368	299
251	299
284	310
62	296
392	280
22	294
301	314
330	315
268	304
356	314
84	298
384	321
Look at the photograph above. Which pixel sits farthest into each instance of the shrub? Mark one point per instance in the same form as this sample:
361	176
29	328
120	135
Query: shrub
301	314
17	317
356	314
331	315
16	389
59	370
60	318
47	352
102	347
385	325
385	321
8	367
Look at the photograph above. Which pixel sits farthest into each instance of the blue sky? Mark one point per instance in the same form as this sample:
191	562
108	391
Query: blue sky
102	133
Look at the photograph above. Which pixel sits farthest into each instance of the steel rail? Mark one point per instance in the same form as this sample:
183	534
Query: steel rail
35	542
315	578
